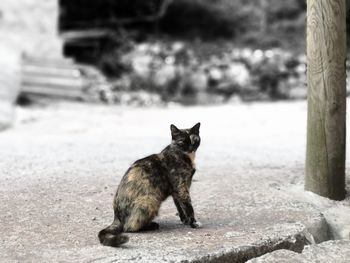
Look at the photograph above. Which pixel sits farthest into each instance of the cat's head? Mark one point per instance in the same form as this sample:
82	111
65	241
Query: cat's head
186	139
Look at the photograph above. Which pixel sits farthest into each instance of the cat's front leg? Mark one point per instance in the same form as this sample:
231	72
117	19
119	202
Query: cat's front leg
184	201
181	213
190	215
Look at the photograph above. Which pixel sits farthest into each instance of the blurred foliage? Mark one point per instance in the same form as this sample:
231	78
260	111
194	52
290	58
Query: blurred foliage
173	72
200	51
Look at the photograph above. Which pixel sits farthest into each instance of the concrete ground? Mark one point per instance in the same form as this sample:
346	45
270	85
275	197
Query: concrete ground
60	166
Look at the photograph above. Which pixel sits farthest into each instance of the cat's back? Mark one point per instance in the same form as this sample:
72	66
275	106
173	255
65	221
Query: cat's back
152	165
145	176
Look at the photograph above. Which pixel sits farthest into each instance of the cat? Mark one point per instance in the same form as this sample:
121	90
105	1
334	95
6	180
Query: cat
149	181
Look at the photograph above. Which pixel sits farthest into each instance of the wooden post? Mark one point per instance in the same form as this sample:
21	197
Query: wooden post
326	80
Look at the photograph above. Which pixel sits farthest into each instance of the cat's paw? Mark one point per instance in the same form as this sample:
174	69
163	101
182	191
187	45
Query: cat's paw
196	224
185	221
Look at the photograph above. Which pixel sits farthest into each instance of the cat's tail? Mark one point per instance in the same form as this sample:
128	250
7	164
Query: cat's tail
111	236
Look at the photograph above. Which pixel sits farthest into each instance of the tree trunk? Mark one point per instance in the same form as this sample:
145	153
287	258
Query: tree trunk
326	80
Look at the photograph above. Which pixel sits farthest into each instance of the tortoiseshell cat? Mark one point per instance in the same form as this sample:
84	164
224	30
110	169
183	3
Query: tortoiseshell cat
149	181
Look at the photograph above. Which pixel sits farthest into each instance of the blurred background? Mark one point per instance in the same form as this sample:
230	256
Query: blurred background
154	52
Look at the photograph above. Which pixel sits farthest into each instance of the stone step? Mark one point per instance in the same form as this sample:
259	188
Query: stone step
38	70
60	78
61	93
49	62
54	82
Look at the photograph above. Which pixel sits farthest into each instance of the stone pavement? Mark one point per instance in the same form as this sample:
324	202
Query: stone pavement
60	166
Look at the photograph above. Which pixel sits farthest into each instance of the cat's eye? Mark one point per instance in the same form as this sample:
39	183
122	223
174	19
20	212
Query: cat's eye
194	139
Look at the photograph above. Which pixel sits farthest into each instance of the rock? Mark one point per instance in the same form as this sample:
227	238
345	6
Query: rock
31	27
280	256
338	219
330	251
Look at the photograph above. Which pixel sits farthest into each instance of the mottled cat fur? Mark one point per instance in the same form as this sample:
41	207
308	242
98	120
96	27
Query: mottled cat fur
149	181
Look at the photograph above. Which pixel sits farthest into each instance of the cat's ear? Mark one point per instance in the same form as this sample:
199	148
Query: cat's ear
174	131
195	128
